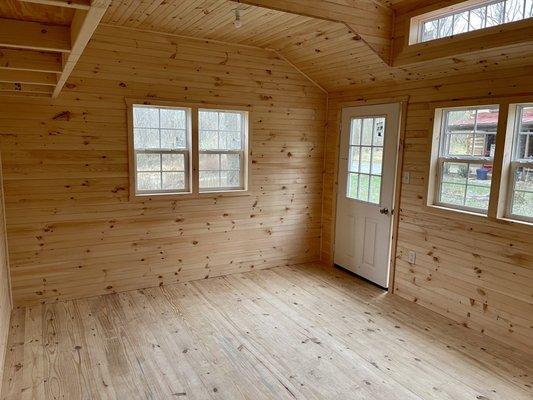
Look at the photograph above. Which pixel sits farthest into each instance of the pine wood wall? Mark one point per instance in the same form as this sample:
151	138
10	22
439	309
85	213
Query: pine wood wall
477	272
72	230
5	294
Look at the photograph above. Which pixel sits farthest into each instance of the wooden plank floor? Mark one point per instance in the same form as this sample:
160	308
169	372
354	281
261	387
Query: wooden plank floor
285	333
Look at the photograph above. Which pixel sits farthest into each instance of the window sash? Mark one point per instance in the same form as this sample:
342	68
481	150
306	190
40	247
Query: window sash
242	164
186	171
438	186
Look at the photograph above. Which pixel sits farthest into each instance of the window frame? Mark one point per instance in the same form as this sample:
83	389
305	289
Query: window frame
417	22
187	152
193	191
438	160
242	152
513	163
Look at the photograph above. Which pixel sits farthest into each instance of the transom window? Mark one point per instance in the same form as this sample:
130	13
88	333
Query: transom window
172	155
521	168
161	138
465	160
222	139
365	159
469	18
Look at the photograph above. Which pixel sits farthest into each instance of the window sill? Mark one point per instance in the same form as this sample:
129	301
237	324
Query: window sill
514	222
456	211
188	196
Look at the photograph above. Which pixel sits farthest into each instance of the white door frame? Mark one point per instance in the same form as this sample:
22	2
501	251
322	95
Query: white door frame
403	101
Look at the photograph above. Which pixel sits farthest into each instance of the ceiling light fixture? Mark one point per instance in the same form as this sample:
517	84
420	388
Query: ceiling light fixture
237	23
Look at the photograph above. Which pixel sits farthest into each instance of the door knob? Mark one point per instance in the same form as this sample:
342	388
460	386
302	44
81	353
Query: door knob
384	210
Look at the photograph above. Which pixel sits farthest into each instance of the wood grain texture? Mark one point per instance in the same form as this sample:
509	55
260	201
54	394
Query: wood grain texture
5	289
74	232
471	269
284	333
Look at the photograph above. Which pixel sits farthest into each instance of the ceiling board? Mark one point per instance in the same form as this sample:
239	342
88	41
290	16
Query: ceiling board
19	10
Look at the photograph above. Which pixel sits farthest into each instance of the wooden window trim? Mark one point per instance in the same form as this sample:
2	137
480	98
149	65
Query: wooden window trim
437	160
194	192
499	194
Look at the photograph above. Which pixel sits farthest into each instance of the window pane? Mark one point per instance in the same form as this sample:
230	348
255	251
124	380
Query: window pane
353	161
209	179
460	23
173	162
453	185
529	9
173	180
445	26
478	189
460	144
365	159
230	179
355	135
146	138
230	121
208	120
148	162
375	189
429	30
145	117
173	139
364	181
379	131
230	162
495	14
477	19
148	181
522	202
353	179
514	10
209	162
455	173
368	127
229	141
377	160
208	140
172	118
452	193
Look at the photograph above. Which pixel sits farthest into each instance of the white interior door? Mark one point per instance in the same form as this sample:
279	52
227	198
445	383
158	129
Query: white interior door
365	195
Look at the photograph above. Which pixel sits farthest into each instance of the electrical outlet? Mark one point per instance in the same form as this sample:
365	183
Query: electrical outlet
411	257
406	177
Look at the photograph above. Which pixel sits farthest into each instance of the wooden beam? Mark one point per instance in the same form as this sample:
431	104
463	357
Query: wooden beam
79	4
368	19
34	36
25	88
27	60
40	78
82	28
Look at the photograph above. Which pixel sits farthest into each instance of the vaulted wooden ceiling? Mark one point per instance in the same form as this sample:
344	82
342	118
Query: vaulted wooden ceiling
338	44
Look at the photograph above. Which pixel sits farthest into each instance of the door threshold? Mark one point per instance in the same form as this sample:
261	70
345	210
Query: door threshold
361	277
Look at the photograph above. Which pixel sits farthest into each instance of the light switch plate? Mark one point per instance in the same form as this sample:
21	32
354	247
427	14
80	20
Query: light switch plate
406	177
411	257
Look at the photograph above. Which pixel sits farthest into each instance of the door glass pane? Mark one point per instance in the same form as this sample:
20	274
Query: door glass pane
365	159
